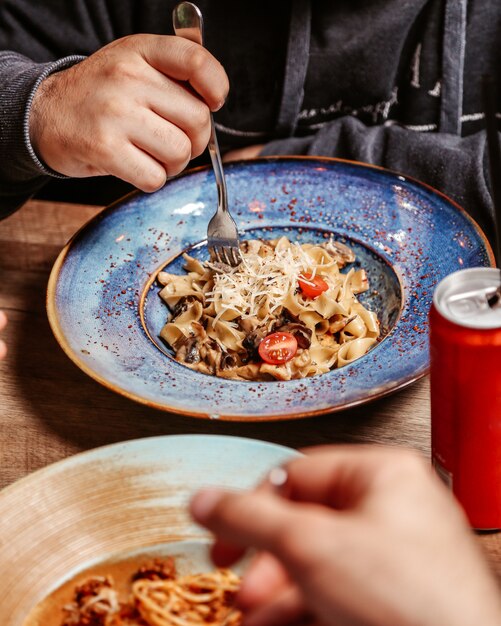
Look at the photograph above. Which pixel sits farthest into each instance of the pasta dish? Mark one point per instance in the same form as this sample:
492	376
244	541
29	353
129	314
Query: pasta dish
157	597
286	312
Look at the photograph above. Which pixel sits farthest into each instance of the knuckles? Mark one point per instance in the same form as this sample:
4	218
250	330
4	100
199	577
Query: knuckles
103	144
179	154
200	118
112	108
401	466
122	70
118	69
197	60
152	181
409	461
200	129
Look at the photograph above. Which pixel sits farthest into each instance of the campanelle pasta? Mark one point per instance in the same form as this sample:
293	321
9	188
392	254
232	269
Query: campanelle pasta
285	312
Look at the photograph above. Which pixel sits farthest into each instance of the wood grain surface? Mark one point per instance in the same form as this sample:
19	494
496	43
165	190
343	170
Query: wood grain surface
49	409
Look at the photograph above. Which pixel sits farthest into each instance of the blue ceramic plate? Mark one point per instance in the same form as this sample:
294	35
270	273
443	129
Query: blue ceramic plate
113	503
105	311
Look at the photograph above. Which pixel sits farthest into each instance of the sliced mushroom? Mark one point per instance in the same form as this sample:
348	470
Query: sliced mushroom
181	341
228	361
301	332
341	252
182	305
252	341
212	355
338	322
188	350
248	324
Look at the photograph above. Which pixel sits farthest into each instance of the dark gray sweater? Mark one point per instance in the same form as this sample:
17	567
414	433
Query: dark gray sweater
389	82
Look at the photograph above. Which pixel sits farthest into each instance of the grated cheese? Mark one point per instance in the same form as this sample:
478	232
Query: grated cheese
246	287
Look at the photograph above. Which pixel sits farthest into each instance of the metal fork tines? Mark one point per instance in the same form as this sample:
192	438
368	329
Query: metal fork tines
222	233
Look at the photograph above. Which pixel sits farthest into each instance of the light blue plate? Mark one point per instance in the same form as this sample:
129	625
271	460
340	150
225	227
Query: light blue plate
112	503
105	311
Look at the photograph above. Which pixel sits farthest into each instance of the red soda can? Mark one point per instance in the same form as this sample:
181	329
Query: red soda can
465	377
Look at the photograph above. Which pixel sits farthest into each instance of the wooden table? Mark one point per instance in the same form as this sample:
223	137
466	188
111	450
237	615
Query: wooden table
50	409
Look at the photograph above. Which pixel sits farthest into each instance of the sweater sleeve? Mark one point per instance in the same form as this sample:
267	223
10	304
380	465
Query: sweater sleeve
456	166
21	172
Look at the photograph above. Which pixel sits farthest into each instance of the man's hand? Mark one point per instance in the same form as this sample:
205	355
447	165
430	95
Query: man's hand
137	109
360	536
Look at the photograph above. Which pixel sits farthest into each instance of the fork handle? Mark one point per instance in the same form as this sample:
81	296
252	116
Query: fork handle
217	165
188	23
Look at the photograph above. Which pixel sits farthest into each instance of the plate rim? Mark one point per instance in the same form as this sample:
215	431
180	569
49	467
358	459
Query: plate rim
78	457
64	344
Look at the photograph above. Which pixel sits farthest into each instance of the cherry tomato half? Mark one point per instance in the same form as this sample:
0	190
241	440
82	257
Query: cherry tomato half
278	348
312	287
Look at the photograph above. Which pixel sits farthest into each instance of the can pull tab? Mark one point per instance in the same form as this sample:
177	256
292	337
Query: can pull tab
494	300
471	303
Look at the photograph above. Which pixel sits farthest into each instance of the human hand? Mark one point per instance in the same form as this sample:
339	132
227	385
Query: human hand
3	323
366	536
137	109
249	152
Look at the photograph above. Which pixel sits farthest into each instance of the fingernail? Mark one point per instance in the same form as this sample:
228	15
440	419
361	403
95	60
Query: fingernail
204	502
278	478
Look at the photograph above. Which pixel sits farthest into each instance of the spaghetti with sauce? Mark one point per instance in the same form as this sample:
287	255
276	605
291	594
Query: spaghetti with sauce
157	597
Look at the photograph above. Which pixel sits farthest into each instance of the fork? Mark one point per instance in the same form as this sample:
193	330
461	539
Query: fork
222	233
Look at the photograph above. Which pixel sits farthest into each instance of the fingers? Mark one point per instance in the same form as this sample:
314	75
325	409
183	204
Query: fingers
243	519
172	141
223	553
265	521
187	61
339	476
3	320
164	141
166	120
133	165
342	476
181	108
148	115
